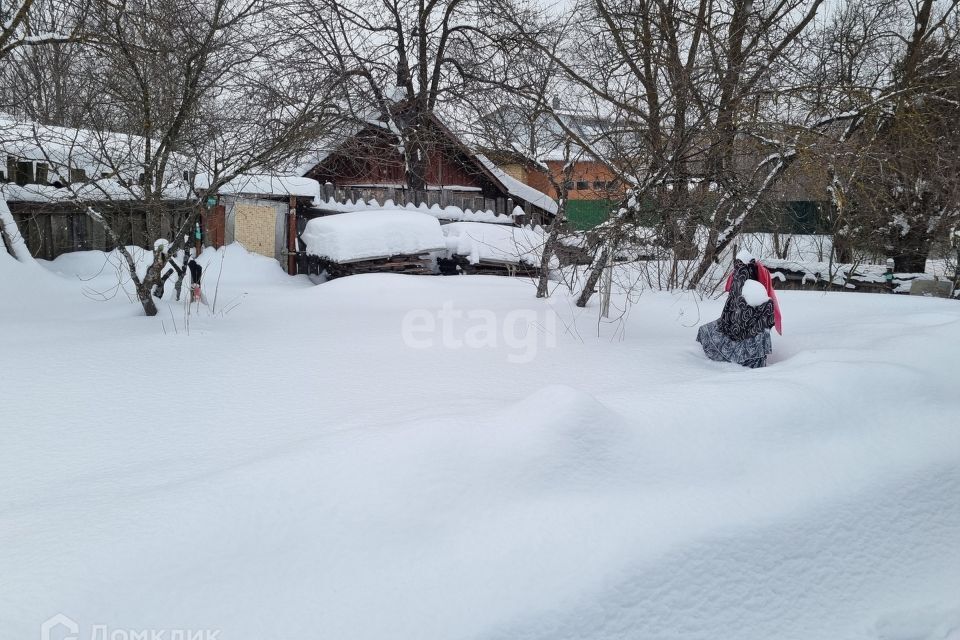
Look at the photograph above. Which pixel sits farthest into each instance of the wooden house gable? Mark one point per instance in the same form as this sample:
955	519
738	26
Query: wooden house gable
373	157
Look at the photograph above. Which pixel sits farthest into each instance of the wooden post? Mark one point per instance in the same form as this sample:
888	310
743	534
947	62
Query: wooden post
197	232
292	237
606	285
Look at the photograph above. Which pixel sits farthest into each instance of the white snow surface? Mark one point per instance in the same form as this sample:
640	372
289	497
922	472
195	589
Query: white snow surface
295	468
754	293
363	235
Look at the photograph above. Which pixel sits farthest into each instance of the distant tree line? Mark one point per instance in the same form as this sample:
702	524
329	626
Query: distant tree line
709	105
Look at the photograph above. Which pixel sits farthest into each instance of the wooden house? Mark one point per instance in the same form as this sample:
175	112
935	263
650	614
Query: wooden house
370	164
49	175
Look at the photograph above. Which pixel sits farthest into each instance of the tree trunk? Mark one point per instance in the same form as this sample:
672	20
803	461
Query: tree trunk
181	273
910	263
543	283
910	254
416	169
842	251
146	286
596	270
10	239
711	256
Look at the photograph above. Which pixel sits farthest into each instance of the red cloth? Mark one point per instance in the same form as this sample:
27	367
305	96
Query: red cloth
763	276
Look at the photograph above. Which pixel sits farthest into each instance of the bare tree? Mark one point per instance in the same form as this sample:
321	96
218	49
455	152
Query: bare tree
686	82
893	181
182	96
714	103
401	61
35	25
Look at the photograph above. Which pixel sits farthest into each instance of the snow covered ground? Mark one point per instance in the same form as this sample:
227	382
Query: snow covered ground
356	460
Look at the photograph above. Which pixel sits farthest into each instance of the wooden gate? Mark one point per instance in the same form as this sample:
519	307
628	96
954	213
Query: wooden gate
256	228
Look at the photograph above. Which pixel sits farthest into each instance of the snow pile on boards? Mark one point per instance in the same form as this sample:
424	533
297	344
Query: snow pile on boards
754	293
367	235
478	242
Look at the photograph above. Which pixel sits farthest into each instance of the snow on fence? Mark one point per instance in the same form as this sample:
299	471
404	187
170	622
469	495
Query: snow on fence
867	278
450	199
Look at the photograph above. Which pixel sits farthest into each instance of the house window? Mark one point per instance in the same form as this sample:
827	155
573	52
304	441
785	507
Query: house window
599	185
78	175
582	185
41	173
19	171
568	185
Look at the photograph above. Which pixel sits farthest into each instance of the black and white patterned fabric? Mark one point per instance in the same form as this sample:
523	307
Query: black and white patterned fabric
742	333
749	352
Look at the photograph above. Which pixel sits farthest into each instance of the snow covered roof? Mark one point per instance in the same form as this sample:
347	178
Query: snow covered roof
367	235
301	165
266	184
95	152
94	191
541	137
520	190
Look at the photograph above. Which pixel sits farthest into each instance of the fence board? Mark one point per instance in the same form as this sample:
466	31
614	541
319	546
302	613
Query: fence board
51	230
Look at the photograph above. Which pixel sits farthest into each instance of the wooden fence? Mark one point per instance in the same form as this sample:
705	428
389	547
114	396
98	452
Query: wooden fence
50	230
475	201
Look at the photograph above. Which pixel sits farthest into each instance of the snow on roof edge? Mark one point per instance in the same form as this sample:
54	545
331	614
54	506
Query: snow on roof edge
516	188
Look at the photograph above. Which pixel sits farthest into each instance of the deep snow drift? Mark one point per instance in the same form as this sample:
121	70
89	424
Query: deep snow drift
427	457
